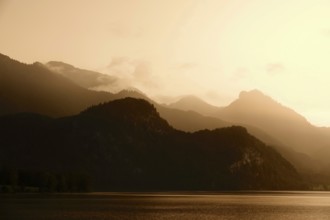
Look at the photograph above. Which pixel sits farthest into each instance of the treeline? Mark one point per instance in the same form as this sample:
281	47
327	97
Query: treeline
13	180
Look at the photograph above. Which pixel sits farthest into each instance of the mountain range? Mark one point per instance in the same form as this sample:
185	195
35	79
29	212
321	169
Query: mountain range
126	145
289	132
34	88
84	78
58	90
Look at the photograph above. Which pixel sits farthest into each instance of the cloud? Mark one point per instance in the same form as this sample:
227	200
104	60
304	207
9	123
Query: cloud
212	94
275	68
122	30
185	66
241	73
142	71
130	73
214	97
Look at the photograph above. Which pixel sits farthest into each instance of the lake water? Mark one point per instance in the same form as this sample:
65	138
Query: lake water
97	206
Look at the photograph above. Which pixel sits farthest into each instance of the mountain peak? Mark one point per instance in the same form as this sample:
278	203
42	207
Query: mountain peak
135	113
256	102
194	103
263	112
255	93
126	106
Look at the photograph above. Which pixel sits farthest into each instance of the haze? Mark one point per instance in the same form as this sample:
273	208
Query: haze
213	49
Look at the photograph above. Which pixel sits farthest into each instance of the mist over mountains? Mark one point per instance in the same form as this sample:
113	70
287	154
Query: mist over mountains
84	78
34	88
117	142
193	103
284	128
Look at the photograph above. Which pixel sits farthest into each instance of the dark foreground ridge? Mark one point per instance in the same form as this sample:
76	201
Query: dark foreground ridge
125	145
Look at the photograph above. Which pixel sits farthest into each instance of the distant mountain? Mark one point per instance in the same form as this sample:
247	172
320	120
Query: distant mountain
256	109
84	78
193	103
34	88
183	120
126	145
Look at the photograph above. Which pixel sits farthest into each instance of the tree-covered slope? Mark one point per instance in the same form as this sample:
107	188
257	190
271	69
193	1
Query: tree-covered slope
125	145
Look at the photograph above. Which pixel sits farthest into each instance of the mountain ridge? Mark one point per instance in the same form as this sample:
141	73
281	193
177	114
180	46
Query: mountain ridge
34	88
85	78
122	150
49	93
256	109
194	103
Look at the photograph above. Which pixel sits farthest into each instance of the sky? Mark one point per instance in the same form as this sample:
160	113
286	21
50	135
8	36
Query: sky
167	48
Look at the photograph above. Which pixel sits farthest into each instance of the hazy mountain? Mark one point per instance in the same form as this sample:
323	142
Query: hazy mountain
34	88
256	109
189	119
193	103
84	78
183	120
125	145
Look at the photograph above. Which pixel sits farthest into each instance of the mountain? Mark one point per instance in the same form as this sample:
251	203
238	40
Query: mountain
34	88
261	111
193	103
84	78
126	145
183	120
303	162
178	114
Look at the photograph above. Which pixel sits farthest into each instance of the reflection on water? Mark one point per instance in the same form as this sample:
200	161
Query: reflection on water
96	206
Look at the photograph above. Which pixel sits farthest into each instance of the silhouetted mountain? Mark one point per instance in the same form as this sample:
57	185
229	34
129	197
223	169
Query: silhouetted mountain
125	145
256	109
291	134
193	103
34	88
183	120
195	106
84	78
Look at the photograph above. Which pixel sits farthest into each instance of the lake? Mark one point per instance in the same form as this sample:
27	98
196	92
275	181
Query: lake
208	206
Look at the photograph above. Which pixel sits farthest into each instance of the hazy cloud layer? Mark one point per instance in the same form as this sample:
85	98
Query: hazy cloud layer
123	30
241	73
186	66
275	68
130	73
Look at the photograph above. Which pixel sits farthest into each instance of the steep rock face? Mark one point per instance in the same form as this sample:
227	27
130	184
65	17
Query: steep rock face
125	145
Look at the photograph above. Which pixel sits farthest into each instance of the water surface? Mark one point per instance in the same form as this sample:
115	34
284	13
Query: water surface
97	206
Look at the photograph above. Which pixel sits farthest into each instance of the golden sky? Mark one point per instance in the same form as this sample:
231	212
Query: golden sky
210	48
